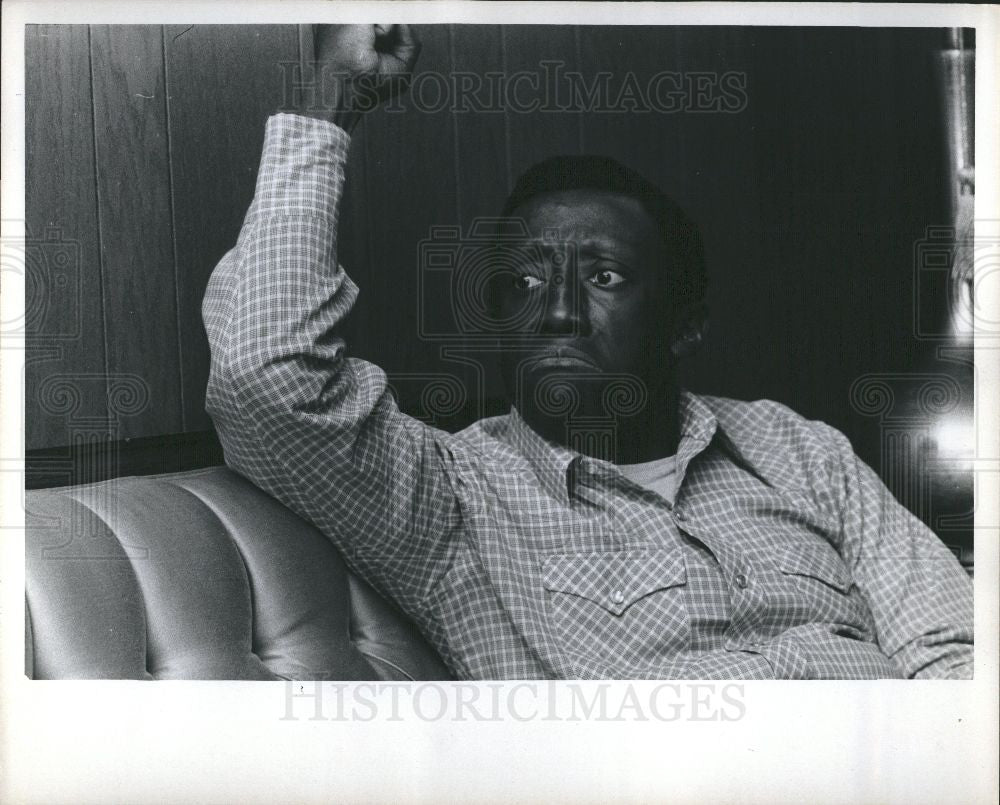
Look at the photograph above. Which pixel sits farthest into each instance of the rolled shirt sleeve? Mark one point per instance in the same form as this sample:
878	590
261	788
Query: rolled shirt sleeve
919	595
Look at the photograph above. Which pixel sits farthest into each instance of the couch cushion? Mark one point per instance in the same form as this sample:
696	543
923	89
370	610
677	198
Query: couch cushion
200	575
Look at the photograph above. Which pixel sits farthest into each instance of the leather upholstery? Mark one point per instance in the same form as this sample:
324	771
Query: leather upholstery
200	575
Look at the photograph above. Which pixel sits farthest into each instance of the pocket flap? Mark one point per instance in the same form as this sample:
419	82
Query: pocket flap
617	580
816	562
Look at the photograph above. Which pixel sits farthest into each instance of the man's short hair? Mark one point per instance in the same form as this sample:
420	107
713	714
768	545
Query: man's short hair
687	278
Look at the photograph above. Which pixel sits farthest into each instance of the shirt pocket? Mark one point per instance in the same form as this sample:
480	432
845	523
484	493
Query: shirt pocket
817	562
622	611
824	591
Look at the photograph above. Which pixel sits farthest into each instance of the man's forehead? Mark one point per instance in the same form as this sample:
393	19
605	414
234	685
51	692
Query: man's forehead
594	218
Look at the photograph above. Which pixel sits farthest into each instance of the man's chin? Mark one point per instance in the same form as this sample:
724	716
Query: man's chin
547	373
559	389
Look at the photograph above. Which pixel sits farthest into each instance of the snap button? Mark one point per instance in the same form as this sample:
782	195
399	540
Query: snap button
741	581
617	597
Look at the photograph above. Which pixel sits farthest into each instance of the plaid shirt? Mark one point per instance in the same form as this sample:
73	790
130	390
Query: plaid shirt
783	557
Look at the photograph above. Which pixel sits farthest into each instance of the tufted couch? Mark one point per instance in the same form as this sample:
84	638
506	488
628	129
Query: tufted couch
199	575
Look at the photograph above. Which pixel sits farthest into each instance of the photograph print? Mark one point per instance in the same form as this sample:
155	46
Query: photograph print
491	352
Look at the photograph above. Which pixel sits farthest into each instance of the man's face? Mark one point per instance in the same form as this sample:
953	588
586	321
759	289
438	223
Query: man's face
587	292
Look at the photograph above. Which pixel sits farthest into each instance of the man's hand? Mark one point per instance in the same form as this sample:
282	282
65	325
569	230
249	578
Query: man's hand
359	67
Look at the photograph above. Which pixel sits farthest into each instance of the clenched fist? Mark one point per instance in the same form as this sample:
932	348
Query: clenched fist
359	67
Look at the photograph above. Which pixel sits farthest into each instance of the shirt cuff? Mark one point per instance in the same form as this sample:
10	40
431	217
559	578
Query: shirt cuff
302	167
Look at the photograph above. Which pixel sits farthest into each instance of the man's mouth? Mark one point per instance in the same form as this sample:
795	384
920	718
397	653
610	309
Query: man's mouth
561	358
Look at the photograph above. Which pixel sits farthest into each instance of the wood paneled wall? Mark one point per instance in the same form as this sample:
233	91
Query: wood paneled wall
143	144
142	149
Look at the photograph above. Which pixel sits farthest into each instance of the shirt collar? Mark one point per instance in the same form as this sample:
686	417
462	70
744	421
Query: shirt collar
553	464
550	461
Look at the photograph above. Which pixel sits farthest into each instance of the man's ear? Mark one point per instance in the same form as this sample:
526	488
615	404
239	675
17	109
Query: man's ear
689	331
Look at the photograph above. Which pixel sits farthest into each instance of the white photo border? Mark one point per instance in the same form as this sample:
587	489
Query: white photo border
886	742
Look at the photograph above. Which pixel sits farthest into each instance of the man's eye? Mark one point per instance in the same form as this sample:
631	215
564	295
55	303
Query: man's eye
606	278
526	282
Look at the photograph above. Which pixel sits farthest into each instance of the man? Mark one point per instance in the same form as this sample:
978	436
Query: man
612	525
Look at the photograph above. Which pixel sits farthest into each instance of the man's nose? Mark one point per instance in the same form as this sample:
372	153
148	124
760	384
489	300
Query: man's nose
564	313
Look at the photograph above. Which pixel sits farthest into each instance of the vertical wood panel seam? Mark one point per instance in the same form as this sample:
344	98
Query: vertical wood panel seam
173	228
369	229
578	54
97	218
506	114
298	47
454	128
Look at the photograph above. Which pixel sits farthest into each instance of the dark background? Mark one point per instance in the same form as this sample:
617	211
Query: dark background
143	144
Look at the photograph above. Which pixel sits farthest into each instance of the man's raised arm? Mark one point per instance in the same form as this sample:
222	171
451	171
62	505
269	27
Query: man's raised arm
316	429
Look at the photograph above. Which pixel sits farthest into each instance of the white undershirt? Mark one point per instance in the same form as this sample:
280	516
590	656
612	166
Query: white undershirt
660	476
